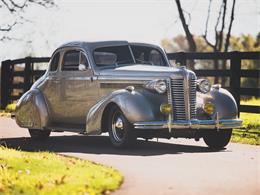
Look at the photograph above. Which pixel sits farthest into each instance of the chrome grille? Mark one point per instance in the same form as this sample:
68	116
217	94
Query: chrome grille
192	93
178	98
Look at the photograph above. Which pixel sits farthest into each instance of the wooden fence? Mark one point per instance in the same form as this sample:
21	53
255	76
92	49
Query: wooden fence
235	73
27	72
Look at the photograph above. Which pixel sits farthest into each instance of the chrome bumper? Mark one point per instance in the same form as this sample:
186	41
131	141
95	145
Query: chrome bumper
191	124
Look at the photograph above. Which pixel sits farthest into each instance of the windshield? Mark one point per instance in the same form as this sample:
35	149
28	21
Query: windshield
114	56
148	55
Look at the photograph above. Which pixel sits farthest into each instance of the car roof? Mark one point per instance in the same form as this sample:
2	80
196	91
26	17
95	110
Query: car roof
93	45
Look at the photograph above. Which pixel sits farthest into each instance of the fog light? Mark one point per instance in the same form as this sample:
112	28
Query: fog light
166	108
209	108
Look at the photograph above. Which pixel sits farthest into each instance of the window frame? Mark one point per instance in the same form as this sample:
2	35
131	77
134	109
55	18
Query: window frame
52	58
68	49
88	64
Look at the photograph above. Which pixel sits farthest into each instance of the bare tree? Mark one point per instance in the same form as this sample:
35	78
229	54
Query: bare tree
192	44
230	27
219	34
16	9
189	36
222	39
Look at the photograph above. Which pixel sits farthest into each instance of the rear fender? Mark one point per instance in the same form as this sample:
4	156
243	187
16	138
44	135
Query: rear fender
32	111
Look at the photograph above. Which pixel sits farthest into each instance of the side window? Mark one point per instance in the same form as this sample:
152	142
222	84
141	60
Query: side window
83	60
55	62
71	61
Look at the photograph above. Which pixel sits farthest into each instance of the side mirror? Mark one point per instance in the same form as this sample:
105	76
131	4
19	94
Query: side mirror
82	67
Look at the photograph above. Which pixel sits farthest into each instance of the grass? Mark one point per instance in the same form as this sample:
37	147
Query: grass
48	173
8	110
252	102
250	133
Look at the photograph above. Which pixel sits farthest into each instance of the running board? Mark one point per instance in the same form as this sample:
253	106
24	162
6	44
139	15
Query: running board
65	127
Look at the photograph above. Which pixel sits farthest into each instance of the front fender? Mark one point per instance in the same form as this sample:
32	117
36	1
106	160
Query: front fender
32	111
133	104
225	104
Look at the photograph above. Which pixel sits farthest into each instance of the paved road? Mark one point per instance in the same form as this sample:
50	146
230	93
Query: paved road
164	167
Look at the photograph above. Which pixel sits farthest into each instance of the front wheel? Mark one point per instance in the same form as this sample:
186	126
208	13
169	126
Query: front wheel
38	134
120	130
217	139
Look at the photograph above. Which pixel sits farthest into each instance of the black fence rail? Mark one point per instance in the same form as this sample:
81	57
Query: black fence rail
29	74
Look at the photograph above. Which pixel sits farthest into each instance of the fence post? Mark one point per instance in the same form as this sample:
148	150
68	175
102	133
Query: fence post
235	74
27	74
181	58
5	83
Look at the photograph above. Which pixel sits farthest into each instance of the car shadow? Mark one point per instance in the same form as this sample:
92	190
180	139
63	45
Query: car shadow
99	145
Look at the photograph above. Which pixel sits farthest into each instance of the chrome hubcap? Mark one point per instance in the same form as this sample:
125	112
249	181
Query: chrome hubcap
119	123
118	127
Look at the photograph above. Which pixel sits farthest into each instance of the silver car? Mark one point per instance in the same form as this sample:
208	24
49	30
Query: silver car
129	90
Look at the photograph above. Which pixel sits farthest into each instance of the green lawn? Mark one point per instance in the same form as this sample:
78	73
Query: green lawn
250	133
47	173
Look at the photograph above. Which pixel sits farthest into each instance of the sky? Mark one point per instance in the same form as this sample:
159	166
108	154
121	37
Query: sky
133	20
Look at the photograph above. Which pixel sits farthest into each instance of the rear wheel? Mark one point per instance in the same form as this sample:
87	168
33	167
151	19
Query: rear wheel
38	134
217	139
120	130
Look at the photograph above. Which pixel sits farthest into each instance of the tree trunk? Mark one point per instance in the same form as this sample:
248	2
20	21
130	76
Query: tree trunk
189	36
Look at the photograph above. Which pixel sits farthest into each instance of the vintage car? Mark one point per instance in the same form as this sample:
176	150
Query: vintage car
129	90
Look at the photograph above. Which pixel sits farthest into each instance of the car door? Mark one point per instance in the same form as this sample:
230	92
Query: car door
51	88
78	88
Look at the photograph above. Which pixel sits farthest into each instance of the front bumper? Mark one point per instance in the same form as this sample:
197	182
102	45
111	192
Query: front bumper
191	124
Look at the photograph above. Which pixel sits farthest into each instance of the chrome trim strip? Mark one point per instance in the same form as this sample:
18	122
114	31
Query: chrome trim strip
186	91
132	53
169	94
191	124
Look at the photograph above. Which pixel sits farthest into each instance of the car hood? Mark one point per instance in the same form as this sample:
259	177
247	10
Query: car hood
144	71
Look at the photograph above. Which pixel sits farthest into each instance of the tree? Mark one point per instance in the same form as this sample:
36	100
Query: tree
189	36
180	43
15	9
190	39
221	42
219	33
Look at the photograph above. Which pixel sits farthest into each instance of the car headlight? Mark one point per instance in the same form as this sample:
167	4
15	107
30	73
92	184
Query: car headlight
203	85
157	85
